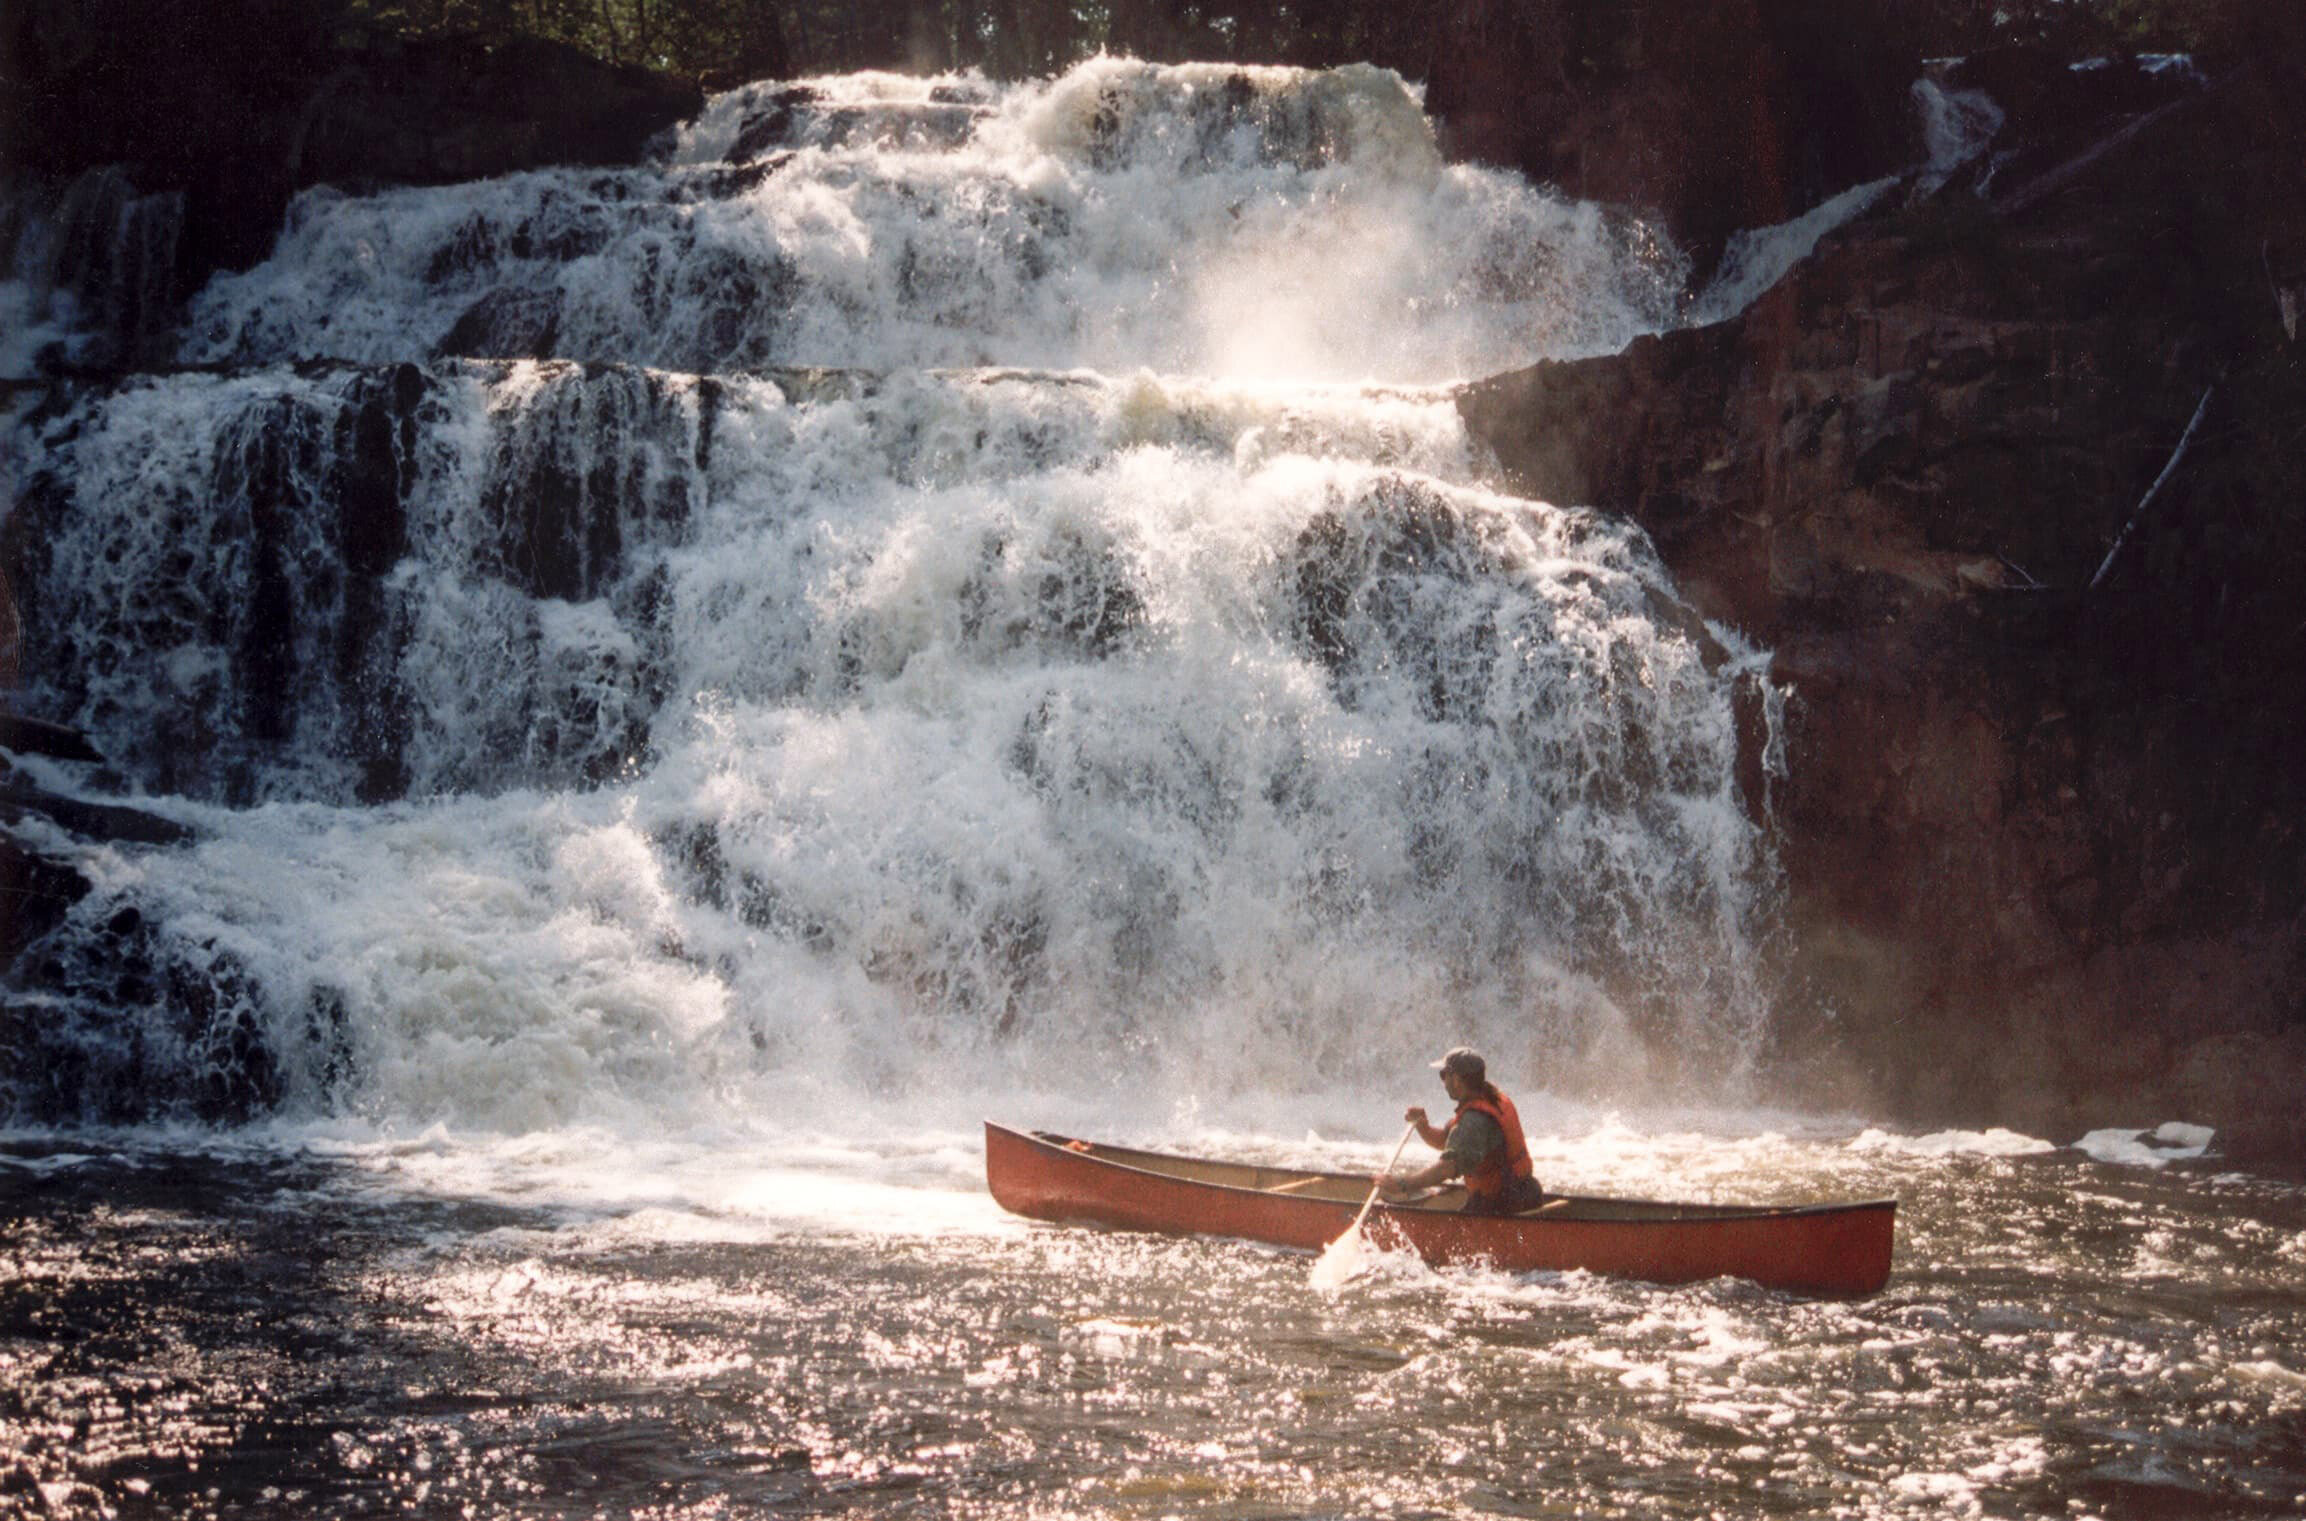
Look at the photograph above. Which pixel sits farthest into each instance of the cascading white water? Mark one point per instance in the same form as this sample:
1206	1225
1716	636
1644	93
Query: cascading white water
656	797
89	269
1957	126
1041	691
1243	223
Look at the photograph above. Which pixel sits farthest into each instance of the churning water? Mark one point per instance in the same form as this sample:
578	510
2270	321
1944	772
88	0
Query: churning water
846	1325
888	629
696	683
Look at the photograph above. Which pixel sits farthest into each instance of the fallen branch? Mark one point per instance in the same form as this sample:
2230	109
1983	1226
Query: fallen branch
2154	490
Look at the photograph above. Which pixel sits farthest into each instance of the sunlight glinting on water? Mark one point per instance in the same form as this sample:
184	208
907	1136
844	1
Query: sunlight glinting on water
948	601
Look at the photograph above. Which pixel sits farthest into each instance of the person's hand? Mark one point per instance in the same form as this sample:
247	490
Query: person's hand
1384	1183
1415	1115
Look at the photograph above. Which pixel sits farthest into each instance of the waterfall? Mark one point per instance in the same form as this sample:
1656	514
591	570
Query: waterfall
1260	223
1957	126
932	588
91	272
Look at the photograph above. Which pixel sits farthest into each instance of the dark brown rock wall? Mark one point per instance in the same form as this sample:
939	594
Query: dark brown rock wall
2042	840
1710	115
241	103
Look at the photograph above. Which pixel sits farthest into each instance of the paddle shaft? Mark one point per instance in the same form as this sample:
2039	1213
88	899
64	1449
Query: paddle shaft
1380	1183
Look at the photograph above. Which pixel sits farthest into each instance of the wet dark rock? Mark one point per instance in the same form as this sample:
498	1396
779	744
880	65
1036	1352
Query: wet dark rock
109	1017
264	654
1089	602
694	848
1709	117
311	487
727	183
96	821
741	303
775	126
100	246
136	1028
37	736
911	128
564	489
473	246
238	105
378	438
36	891
1366	580
563	230
508	323
2040	836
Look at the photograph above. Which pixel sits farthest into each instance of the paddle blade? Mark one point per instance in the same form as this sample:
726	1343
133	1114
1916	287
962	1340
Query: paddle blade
1350	1255
1342	1261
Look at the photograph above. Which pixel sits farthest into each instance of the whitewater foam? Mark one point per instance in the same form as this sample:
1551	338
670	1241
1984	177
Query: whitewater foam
2172	1141
1190	219
760	715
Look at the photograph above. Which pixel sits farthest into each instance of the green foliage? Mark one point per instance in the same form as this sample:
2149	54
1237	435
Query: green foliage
1006	38
729	39
2217	29
681	36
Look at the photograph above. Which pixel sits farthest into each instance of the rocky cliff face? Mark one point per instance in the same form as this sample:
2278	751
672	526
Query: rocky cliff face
1709	118
235	105
2042	826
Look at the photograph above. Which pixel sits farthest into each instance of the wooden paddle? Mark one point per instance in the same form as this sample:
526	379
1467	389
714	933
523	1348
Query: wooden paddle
1341	1259
1379	1185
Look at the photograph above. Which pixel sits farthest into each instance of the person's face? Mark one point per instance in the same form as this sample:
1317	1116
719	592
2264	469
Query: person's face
1455	1086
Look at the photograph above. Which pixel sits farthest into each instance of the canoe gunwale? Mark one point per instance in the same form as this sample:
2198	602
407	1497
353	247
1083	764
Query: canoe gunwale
1665	1212
1835	1250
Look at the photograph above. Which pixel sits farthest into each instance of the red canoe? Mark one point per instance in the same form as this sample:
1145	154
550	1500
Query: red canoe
1822	1249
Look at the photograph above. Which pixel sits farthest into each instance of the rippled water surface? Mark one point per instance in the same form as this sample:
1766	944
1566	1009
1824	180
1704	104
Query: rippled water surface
694	683
395	1330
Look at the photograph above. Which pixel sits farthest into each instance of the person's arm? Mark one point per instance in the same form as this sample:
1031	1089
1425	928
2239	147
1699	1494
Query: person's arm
1471	1138
1431	1134
1440	1170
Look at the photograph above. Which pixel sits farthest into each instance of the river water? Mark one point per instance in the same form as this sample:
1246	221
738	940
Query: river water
852	1327
696	684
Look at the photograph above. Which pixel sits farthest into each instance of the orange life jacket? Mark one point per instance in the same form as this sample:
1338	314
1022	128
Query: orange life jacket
1488	1178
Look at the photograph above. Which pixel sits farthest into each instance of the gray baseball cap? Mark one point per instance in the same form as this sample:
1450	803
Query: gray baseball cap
1466	1063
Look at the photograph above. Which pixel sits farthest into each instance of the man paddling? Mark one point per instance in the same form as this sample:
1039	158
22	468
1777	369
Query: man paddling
1482	1143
